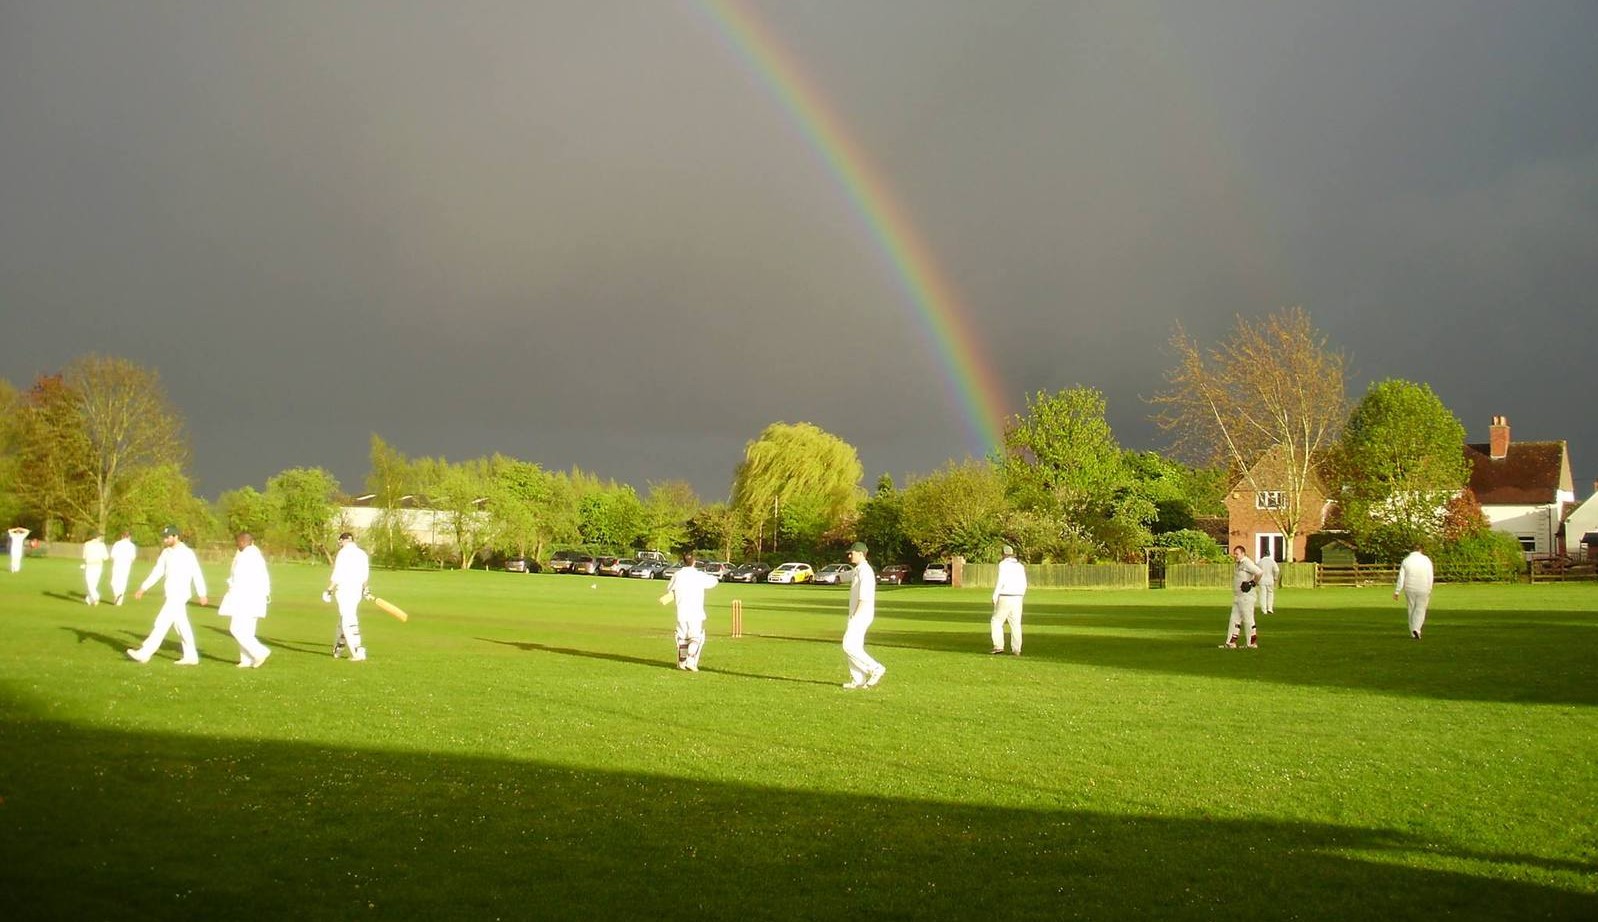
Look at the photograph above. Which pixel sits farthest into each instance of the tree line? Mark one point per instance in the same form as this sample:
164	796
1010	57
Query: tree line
99	446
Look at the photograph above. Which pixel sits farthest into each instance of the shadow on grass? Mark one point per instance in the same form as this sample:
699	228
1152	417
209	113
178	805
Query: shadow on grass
642	661
102	824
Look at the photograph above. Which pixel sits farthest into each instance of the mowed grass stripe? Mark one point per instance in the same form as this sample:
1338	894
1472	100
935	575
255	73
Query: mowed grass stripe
524	741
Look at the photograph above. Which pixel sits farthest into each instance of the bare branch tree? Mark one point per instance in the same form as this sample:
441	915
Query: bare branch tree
129	427
1271	387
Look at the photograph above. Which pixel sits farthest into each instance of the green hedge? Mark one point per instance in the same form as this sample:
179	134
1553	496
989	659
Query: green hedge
1219	576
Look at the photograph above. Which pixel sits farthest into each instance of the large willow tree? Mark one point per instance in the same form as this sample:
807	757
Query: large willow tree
796	478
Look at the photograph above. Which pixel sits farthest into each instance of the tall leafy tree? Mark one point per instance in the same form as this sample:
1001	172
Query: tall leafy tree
667	514
129	428
245	509
1400	461
881	524
517	490
1062	464
960	509
53	477
305	510
459	494
799	471
10	448
1271	386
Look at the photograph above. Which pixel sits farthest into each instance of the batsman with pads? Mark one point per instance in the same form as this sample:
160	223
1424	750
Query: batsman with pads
351	571
687	589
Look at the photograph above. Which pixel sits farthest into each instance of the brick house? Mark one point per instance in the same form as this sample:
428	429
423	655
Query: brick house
1525	488
1261	500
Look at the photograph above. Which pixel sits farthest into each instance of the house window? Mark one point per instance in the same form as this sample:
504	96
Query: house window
1273	546
1269	499
1528	543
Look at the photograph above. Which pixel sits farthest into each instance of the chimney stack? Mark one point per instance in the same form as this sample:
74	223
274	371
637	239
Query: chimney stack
1498	438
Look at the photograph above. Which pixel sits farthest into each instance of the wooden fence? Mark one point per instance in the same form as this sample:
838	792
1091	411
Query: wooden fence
1064	575
1219	576
1356	574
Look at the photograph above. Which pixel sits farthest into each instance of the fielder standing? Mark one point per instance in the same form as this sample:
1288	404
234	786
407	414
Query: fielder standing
1269	571
688	587
18	535
864	672
1243	576
1415	582
94	557
123	554
1008	592
181	570
351	571
249	592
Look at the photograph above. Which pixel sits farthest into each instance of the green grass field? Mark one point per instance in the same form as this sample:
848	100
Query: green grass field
525	748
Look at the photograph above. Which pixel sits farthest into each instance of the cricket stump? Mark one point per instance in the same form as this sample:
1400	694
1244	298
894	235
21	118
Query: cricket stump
737	618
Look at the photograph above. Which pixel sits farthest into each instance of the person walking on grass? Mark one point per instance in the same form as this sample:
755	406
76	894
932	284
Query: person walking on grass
94	558
18	535
864	672
249	591
1008	592
1270	571
1244	573
181	570
123	554
1415	582
687	588
351	571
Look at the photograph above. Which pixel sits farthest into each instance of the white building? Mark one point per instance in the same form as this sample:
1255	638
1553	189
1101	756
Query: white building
1583	523
426	525
1525	488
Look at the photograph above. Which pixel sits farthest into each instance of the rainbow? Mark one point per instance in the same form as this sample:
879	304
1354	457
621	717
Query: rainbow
970	379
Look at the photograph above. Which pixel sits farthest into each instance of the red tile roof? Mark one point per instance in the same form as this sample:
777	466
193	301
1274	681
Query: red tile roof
1530	473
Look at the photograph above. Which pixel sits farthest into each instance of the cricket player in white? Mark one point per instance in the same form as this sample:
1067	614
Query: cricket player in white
249	591
1269	571
1245	571
1008	592
181	569
351	571
123	554
18	535
864	672
94	557
1415	582
688	587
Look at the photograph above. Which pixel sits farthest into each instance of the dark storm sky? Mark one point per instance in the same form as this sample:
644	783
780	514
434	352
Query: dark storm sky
583	233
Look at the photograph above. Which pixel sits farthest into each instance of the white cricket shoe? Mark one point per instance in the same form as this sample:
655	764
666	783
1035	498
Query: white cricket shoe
186	661
138	657
876	676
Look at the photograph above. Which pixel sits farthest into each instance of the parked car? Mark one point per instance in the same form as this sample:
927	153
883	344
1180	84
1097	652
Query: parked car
586	564
792	573
935	573
670	570
835	574
647	569
748	573
611	566
625	566
717	568
561	561
521	565
896	573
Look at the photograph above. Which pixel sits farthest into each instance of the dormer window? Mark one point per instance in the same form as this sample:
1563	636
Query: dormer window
1269	499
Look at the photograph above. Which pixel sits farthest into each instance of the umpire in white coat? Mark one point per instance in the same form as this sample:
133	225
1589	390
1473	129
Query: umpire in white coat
1008	592
1244	573
249	591
181	570
123	553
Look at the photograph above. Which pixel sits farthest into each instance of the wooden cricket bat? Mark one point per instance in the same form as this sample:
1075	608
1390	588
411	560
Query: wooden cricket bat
392	609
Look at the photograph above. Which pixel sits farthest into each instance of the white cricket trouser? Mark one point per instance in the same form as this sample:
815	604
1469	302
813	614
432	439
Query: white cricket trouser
174	613
1267	597
1417	600
349	624
690	641
91	580
119	579
1007	610
1242	613
16	557
243	631
861	665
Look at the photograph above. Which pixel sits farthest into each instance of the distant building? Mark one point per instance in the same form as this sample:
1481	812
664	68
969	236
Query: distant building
1254	505
426	526
1525	488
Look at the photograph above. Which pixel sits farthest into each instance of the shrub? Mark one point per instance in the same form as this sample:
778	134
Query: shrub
1190	545
1489	556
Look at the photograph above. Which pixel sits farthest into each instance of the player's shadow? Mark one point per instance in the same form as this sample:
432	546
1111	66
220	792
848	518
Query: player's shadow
64	596
640	661
105	640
